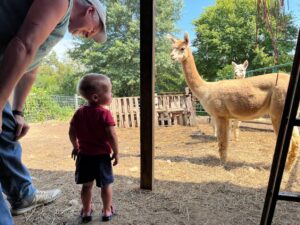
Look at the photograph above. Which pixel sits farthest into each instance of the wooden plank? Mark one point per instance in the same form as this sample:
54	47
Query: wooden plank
120	112
125	110
180	119
161	119
169	120
113	110
132	122
137	111
147	55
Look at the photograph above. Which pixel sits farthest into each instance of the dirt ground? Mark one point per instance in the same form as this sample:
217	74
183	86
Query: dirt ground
191	186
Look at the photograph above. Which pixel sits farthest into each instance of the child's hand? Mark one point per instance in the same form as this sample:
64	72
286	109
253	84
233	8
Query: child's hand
115	157
74	153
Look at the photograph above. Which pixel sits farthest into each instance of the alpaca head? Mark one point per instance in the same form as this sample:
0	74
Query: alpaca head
240	70
179	48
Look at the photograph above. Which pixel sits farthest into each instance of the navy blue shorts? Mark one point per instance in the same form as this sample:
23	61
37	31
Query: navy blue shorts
96	167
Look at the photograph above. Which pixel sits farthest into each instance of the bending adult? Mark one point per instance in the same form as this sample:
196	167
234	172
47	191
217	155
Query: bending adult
29	29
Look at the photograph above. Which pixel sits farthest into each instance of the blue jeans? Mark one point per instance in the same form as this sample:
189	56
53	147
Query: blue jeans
15	179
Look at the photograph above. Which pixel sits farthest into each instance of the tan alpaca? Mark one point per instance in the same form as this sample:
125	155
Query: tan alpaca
239	72
241	99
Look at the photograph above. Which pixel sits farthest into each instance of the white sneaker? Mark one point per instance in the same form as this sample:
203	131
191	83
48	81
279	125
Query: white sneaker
40	198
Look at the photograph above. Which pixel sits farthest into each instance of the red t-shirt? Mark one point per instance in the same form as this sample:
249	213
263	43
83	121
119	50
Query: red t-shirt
89	123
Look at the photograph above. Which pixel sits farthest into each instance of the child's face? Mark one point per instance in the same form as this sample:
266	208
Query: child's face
107	95
104	96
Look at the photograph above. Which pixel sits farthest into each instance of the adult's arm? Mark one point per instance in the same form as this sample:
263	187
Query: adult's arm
42	18
22	90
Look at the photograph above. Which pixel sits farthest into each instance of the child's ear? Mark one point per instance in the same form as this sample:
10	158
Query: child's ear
95	98
90	10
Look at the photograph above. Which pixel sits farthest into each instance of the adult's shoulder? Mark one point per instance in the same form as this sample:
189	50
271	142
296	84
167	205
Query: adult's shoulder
58	7
62	3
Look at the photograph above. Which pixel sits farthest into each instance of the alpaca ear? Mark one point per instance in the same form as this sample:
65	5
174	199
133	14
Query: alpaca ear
233	64
186	38
171	38
245	64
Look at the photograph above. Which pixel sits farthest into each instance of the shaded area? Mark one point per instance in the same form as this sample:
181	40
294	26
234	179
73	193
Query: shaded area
170	203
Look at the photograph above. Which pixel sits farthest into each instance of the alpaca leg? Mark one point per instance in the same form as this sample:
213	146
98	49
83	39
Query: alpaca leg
232	130
294	144
214	125
223	137
293	150
235	129
237	132
215	130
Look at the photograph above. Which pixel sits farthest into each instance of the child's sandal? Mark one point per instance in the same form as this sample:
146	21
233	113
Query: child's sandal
106	218
85	218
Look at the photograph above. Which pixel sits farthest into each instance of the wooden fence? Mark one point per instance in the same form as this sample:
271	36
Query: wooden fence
171	109
174	109
126	111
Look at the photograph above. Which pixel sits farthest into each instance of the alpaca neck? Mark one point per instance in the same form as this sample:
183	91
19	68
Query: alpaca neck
192	76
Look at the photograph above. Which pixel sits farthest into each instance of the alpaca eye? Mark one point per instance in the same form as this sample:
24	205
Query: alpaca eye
182	49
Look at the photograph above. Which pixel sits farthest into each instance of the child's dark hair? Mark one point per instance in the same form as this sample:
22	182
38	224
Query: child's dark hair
92	83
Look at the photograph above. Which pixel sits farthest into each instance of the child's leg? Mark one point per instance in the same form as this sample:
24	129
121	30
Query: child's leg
86	197
106	195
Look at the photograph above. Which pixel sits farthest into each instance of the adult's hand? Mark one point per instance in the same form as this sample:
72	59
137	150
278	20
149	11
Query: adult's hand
22	127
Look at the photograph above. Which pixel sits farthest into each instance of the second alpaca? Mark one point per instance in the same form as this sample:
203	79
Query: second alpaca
239	71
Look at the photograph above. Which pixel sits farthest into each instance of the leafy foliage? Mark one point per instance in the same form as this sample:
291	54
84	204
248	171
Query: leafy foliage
227	32
58	77
225	73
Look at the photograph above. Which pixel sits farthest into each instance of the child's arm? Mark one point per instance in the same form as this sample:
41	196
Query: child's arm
113	140
73	139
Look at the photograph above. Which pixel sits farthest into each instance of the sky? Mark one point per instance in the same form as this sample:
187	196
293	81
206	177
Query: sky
192	9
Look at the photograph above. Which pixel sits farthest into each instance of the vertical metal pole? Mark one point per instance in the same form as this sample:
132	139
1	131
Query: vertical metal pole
147	92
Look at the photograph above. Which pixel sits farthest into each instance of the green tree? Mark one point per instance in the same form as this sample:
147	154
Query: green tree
119	57
227	32
48	76
58	77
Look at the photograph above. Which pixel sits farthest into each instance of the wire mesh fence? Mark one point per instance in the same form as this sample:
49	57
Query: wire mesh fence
42	107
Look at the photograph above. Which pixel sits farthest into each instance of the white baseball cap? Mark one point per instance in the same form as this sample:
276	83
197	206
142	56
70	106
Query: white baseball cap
101	36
